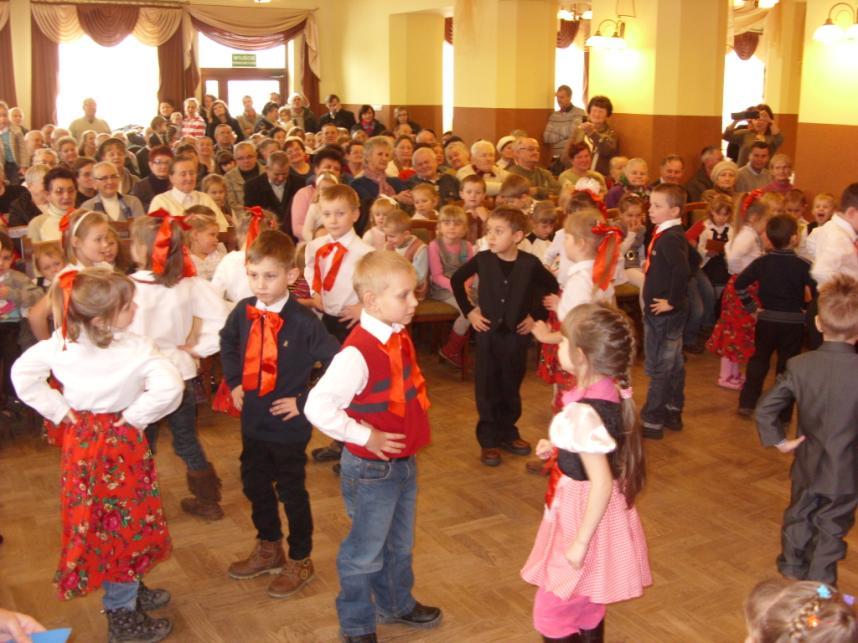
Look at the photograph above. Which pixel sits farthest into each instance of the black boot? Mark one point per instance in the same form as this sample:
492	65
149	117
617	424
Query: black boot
134	626
596	635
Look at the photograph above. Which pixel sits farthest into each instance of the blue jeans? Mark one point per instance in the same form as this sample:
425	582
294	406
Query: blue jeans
665	366
183	425
374	561
701	306
119	595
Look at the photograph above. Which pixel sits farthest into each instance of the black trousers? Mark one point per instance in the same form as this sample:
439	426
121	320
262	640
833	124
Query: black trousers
266	466
769	336
499	371
9	352
335	327
812	538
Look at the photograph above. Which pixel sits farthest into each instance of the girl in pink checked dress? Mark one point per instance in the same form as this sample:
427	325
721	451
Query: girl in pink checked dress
590	549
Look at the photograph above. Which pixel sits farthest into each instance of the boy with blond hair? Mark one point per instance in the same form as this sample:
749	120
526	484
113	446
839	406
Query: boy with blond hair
397	232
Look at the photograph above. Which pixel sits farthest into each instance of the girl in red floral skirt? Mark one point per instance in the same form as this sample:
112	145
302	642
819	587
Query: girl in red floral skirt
114	384
590	549
733	336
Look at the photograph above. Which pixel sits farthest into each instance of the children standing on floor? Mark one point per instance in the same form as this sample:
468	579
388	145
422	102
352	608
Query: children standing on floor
397	230
824	474
202	240
114	385
665	304
169	299
268	348
733	335
783	278
447	253
230	276
590	549
512	285
373	397
377	211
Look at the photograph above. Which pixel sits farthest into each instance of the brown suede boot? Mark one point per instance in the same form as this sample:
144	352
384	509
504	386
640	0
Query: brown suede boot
452	350
294	576
267	557
205	485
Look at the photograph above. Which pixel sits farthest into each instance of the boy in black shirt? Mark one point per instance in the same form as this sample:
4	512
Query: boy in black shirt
511	287
268	347
665	295
784	279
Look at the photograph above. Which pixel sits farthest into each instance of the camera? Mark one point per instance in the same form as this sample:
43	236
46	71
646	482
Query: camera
746	115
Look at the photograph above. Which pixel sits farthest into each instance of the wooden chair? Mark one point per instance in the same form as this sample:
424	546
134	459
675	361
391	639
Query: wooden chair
123	228
423	229
229	239
696	211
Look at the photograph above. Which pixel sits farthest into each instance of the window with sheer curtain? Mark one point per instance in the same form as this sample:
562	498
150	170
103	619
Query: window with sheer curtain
744	85
569	70
123	80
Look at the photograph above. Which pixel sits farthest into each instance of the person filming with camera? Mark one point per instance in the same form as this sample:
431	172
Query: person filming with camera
754	124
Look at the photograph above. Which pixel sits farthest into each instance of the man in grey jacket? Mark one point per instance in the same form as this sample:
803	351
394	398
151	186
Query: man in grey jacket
560	126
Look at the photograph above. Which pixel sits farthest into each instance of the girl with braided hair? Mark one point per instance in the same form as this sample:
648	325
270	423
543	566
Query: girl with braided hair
590	549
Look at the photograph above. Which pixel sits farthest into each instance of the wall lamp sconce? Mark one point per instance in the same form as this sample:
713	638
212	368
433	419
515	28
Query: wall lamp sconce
616	39
829	32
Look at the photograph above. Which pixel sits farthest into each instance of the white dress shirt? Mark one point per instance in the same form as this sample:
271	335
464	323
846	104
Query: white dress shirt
276	307
555	257
835	252
176	202
346	377
167	316
742	249
343	293
230	277
129	377
580	289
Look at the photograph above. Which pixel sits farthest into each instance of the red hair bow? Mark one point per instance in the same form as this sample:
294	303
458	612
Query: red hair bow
748	201
597	199
256	216
66	280
161	248
606	255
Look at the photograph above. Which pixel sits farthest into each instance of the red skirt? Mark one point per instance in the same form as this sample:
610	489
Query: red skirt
733	335
113	525
549	368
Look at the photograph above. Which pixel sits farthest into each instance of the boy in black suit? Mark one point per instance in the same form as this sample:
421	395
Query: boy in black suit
269	345
825	471
511	287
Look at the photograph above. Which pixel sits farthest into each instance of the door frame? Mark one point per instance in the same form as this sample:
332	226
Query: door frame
225	74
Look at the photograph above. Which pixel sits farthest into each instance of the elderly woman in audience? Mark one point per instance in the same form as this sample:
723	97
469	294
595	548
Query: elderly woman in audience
119	207
375	182
66	149
87	145
113	151
354	159
762	128
220	115
723	177
61	190
401	164
581	159
506	149
297	154
34	140
780	169
456	155
158	180
45	156
634	180
34	201
328	160
206	155
596	132
367	123
483	165
16	115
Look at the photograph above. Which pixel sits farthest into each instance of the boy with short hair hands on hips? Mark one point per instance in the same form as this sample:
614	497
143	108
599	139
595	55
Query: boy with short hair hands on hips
824	473
373	398
665	289
512	285
269	346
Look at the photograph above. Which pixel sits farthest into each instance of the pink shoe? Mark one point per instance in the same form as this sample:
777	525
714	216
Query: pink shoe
729	383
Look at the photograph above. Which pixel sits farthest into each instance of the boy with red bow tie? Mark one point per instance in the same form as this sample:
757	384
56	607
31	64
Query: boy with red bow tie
373	398
268	347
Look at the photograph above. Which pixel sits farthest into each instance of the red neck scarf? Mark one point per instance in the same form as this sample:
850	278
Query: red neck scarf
331	276
606	258
260	354
66	284
398	344
161	248
256	216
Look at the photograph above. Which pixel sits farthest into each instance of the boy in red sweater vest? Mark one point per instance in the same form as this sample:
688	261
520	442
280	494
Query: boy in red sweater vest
373	398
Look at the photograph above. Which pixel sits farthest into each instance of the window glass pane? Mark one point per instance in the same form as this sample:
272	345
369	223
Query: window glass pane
569	70
744	84
214	55
212	88
447	70
123	80
258	90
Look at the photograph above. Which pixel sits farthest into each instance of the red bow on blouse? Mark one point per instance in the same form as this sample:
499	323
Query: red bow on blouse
607	254
331	277
394	348
260	354
256	216
66	280
65	221
163	240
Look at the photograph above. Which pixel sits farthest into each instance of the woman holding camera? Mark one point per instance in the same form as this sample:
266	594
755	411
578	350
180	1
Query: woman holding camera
760	126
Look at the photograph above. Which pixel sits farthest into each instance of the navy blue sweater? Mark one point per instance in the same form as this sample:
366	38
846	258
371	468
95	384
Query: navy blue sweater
302	341
669	271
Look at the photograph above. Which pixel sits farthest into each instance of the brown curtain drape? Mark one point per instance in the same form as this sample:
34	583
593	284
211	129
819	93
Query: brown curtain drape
170	62
448	30
567	32
107	24
45	61
309	80
7	78
246	43
745	44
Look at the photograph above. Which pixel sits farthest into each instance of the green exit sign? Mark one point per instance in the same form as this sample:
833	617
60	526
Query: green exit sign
244	60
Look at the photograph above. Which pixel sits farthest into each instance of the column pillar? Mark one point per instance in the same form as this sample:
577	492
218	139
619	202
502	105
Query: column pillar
504	66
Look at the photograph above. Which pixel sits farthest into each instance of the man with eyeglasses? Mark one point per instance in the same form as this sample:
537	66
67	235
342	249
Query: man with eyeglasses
117	206
158	180
526	164
60	188
247	167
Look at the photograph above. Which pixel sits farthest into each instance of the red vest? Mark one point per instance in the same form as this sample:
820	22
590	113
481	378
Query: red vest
370	405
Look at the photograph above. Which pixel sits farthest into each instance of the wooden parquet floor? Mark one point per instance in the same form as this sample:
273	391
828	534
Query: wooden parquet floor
711	511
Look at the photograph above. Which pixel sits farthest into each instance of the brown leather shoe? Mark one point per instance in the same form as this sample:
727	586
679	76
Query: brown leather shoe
267	557
490	457
295	574
516	447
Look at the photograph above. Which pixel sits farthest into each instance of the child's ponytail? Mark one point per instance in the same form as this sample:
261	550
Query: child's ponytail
159	234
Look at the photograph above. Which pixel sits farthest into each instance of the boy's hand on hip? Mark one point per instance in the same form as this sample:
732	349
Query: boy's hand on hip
286	407
659	306
525	326
237	395
477	320
788	446
381	443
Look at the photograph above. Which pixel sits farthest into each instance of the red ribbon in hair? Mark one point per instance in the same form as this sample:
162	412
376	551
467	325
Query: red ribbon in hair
256	216
748	201
260	354
161	248
605	264
66	284
397	344
598	200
